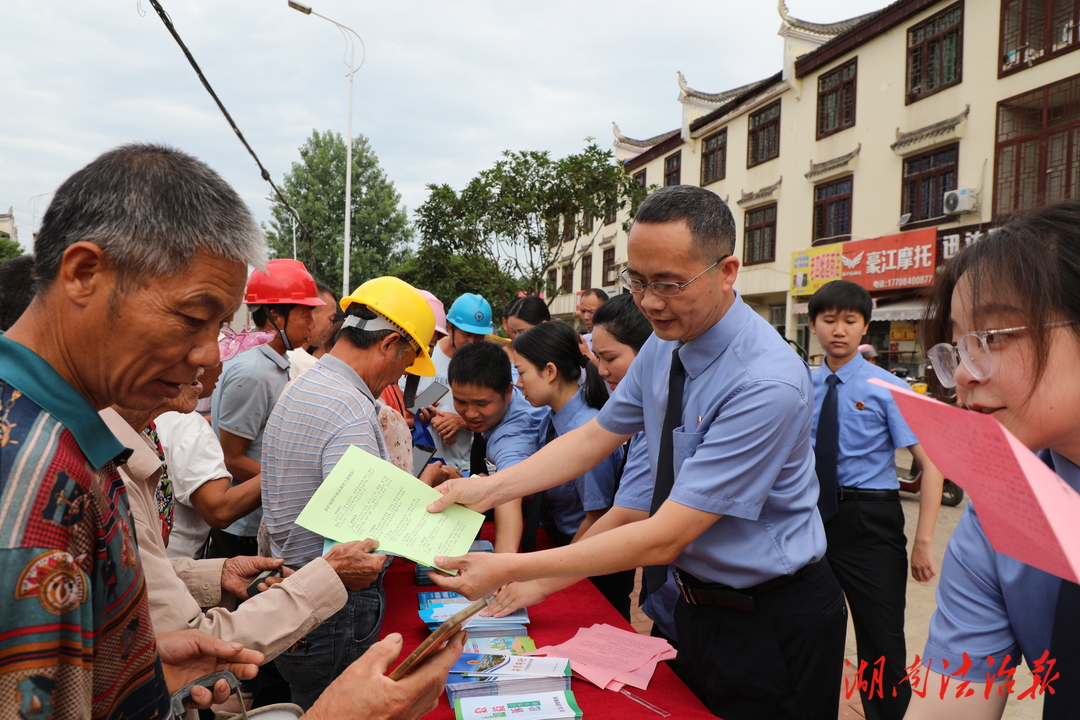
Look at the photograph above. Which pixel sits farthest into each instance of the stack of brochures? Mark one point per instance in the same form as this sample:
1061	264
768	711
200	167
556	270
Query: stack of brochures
423	570
536	706
438	606
476	674
500	645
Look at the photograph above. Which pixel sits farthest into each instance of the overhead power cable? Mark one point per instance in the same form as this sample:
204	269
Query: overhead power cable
306	235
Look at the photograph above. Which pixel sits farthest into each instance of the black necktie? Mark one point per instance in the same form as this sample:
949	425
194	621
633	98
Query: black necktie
827	450
536	503
1065	654
478	455
655	576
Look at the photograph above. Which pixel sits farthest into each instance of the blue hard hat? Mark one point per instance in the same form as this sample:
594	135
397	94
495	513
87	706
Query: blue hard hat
471	313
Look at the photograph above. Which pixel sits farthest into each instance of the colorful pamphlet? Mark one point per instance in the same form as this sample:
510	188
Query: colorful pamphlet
438	605
535	706
504	645
476	674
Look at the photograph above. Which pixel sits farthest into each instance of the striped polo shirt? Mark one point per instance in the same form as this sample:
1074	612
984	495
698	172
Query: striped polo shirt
317	418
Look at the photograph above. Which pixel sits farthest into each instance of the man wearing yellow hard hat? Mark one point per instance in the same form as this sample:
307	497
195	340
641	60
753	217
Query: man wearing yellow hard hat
387	330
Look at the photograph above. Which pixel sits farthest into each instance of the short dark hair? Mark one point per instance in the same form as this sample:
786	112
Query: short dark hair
840	296
712	227
322	288
1033	259
530	308
16	289
621	317
481	364
261	313
151	209
596	293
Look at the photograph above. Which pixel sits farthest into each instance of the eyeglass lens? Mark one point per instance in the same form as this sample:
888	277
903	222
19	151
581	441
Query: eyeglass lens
972	351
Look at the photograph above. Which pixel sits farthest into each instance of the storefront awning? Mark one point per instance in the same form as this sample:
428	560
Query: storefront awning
904	310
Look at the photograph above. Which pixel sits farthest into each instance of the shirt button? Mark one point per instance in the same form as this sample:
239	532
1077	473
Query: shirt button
206	586
206	599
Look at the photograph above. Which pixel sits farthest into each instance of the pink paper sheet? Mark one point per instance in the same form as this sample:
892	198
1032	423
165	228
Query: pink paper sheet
609	657
1028	512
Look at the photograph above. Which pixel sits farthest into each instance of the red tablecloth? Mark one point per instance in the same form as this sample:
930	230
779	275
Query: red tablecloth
554	621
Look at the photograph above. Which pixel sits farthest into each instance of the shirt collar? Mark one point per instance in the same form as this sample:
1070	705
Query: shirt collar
564	419
516	406
144	460
851	368
281	361
701	352
25	370
1066	470
346	371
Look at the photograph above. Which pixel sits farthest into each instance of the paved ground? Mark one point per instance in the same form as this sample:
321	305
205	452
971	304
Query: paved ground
921	604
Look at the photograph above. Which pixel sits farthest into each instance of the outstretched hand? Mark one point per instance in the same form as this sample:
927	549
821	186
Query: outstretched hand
475	493
514	596
187	655
479	574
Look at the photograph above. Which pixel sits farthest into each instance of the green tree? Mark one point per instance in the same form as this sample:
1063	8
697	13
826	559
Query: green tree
511	220
9	248
316	188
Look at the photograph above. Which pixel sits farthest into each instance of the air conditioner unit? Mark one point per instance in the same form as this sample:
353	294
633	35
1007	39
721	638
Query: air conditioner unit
611	277
960	202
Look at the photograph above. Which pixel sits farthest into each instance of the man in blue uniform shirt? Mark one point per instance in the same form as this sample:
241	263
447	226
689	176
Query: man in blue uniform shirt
761	622
860	497
484	397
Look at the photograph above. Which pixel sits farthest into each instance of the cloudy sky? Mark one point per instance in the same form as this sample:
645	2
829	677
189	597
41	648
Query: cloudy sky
447	86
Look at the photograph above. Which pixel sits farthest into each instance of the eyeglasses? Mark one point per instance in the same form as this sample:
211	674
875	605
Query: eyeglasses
663	289
233	343
973	349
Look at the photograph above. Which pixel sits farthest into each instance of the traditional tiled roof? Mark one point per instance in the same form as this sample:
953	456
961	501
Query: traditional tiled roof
939	128
829	30
642	144
685	91
747	92
758	196
836	163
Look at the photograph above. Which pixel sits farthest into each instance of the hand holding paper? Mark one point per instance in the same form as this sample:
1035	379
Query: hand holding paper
366	497
1028	512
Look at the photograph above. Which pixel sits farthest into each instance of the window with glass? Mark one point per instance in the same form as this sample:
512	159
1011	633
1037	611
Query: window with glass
836	99
763	143
832	211
927	177
1034	31
608	268
714	157
935	53
1038	147
567	278
759	235
552	278
640	178
673	169
586	271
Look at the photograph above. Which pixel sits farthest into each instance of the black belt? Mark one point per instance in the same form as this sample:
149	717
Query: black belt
699	592
849	493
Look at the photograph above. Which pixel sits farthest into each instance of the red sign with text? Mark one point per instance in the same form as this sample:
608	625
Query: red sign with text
892	262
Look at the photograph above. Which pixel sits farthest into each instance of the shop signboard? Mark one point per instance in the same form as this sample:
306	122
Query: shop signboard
812	268
892	262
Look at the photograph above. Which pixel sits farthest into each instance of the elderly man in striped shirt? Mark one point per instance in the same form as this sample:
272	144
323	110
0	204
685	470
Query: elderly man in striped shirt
388	328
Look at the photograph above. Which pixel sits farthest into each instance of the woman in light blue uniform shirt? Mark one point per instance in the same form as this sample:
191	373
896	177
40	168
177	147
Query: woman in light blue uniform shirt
553	372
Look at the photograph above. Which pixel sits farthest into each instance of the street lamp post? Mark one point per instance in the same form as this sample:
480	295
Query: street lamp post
350	45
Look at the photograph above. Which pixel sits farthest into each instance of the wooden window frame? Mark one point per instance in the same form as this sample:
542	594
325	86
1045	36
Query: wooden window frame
608	264
819	233
1050	124
941	178
567	278
673	169
1012	60
751	242
640	177
586	271
611	217
708	155
925	46
552	281
844	90
754	133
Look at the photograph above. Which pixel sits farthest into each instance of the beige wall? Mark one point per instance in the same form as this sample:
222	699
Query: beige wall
880	112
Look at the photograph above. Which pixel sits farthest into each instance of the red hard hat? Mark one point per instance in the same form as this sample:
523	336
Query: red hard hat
285	282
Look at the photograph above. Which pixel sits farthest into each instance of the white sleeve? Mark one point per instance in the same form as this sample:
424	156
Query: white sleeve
192	453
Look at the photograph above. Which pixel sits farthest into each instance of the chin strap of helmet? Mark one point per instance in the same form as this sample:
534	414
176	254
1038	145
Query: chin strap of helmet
281	331
412	382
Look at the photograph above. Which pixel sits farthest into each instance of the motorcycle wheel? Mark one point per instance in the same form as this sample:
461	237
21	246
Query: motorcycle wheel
951	494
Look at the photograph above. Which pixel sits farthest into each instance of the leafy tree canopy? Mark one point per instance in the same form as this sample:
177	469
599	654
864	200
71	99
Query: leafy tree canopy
500	234
316	188
9	248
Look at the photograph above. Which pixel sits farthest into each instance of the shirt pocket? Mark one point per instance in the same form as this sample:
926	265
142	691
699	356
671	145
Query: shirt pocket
684	445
